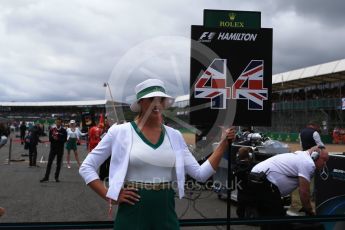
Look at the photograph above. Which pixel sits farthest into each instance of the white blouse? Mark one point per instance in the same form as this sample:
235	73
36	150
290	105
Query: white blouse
148	164
117	144
73	134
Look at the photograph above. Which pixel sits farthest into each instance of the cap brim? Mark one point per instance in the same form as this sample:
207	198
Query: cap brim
135	107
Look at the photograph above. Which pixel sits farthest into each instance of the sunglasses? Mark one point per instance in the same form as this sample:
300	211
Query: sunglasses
160	99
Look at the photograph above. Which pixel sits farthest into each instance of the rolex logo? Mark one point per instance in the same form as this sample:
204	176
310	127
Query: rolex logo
232	16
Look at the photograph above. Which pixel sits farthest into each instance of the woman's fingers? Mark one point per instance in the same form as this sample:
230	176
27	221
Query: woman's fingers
127	201
133	194
230	133
129	195
131	191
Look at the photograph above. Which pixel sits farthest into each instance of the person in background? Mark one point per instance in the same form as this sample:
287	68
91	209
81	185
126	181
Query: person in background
73	136
34	138
3	134
146	158
310	136
95	134
57	138
104	168
22	129
243	166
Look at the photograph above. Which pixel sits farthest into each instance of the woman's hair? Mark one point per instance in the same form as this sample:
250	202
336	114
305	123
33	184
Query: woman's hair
139	115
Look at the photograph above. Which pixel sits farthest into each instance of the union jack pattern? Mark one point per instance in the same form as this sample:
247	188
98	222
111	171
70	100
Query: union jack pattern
212	84
249	86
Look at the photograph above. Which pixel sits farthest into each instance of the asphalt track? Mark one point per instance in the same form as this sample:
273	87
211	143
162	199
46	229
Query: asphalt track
27	200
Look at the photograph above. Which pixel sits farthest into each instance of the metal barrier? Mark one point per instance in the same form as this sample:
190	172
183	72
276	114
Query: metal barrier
10	151
183	223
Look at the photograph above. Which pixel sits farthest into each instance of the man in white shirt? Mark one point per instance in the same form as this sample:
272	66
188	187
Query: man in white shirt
280	175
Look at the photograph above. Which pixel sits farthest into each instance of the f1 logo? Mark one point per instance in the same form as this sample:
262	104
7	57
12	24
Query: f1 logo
207	36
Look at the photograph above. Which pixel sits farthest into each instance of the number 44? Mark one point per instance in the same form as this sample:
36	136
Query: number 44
248	86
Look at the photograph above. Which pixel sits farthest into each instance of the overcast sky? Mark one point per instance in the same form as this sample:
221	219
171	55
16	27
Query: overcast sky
52	50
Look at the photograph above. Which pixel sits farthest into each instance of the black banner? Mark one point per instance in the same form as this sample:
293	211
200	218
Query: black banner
330	190
330	187
231	80
231	77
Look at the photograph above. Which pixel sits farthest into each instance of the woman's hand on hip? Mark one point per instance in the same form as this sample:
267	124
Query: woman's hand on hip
129	196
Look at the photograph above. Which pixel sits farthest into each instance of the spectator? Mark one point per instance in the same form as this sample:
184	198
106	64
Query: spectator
34	138
57	138
104	169
95	134
73	136
22	129
310	137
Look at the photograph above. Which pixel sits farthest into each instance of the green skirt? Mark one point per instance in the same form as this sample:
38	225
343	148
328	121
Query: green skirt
71	144
154	211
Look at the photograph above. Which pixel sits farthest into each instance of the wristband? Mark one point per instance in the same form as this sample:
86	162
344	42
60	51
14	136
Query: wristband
110	210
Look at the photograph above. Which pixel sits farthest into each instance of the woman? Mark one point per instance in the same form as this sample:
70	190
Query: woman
73	135
147	157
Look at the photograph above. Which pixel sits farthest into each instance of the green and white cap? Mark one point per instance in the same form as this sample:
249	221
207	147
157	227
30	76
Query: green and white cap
150	88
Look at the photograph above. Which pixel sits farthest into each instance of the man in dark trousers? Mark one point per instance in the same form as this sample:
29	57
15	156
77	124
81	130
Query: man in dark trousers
34	136
57	138
310	136
243	166
22	129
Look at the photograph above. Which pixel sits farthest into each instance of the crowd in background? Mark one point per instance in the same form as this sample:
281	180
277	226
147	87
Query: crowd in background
311	94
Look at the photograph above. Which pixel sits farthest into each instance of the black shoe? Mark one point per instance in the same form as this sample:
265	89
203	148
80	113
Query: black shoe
44	180
57	180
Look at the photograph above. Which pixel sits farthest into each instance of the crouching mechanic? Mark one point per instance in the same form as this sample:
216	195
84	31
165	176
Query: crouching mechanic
244	164
281	174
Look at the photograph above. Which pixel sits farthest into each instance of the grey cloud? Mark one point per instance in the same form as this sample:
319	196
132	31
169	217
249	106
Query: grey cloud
328	13
77	45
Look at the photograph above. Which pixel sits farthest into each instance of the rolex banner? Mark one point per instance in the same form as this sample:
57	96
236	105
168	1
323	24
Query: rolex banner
231	77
